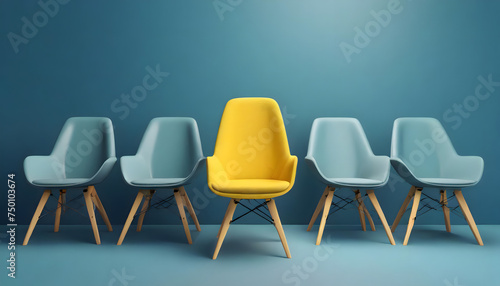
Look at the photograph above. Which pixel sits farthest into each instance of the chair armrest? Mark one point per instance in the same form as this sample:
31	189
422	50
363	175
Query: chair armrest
196	169
103	172
313	166
404	172
378	168
216	175
134	167
289	170
465	167
43	167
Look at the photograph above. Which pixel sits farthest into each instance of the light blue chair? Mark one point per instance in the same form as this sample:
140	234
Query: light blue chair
423	155
169	157
341	157
82	157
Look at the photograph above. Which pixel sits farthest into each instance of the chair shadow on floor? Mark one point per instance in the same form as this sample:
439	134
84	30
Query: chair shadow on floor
241	241
159	234
350	234
424	236
244	247
70	234
437	236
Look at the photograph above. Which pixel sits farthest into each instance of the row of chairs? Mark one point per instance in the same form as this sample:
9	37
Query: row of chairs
252	161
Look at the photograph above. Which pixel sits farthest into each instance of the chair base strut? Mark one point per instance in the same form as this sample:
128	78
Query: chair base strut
415	193
181	199
326	201
274	219
91	201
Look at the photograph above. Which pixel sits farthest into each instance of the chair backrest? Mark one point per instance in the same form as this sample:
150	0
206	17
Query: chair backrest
251	142
83	145
339	147
171	147
422	144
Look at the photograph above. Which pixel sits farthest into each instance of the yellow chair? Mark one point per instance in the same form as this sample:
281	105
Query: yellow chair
251	161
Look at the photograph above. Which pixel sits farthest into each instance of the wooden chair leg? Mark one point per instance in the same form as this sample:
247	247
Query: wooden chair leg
225	226
180	206
361	211
413	214
326	211
36	216
366	213
403	208
190	208
130	217
145	206
230	218
370	220
318	209
60	204
277	223
446	210
100	207
90	209
381	215
222	224
468	215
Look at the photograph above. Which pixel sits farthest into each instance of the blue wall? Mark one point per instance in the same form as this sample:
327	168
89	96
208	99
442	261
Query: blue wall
421	62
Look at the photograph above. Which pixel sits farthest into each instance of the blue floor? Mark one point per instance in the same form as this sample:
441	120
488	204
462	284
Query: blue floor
253	255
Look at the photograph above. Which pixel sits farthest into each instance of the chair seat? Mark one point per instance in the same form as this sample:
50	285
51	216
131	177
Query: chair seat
158	182
356	182
252	186
447	182
66	182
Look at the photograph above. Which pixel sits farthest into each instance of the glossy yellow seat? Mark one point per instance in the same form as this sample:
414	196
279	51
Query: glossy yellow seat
253	187
251	159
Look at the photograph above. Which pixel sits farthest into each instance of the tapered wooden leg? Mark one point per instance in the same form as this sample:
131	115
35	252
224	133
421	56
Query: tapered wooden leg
370	220
130	217
90	210
413	214
222	224
361	211
446	210
180	206
318	209
225	226
381	215
230	218
468	215
190	208
145	206
100	207
58	210
364	211
403	208
326	211
277	223
36	216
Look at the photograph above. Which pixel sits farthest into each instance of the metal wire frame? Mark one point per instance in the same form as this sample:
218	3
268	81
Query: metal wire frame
343	203
160	203
47	211
429	203
255	210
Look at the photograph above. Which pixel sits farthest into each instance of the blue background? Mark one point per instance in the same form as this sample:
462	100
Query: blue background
427	59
